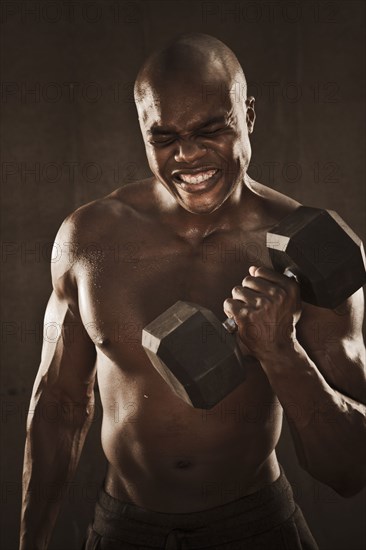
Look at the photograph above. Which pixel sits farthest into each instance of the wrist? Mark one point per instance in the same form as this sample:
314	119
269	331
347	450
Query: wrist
281	357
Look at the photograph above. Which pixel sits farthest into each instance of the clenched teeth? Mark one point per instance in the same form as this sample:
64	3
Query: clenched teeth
197	178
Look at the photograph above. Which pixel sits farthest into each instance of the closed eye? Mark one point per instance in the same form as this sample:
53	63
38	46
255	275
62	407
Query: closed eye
213	132
162	141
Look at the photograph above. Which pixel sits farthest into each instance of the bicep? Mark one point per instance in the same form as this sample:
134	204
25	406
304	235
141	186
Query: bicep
333	340
68	355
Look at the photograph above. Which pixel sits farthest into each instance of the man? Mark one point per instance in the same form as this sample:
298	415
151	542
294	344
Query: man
179	475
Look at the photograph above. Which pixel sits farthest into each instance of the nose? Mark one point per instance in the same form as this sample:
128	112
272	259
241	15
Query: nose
189	151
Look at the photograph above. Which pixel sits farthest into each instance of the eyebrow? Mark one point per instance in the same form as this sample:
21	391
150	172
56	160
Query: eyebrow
160	130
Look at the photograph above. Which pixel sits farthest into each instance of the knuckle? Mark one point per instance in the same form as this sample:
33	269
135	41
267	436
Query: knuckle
261	302
242	315
271	291
267	303
280	294
249	316
260	271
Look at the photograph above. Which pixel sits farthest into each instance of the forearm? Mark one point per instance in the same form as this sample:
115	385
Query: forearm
328	428
51	456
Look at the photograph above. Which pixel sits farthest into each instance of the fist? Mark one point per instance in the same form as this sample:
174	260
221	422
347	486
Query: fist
266	309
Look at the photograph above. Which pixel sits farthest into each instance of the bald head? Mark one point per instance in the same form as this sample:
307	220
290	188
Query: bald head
196	56
194	116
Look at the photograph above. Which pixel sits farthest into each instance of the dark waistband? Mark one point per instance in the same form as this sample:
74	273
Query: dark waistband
245	517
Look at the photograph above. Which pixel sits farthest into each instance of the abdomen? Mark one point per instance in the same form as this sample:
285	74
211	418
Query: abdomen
166	455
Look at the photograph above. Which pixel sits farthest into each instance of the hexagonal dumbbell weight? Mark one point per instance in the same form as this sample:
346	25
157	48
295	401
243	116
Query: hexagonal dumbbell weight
196	354
322	252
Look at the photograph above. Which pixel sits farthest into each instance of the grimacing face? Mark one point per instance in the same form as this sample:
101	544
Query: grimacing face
197	139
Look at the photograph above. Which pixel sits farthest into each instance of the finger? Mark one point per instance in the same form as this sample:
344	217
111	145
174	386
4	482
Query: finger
246	295
236	309
260	285
273	276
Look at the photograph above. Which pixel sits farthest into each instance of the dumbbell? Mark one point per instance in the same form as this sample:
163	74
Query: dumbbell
197	355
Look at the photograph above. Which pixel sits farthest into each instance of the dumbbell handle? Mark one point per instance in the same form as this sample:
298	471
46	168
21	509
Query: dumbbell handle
229	323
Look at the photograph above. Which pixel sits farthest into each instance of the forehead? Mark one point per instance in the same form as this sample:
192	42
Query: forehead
182	102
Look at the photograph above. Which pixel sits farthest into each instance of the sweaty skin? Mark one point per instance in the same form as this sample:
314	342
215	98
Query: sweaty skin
157	446
129	256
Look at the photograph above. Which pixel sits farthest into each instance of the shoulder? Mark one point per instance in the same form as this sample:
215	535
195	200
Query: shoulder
93	225
272	205
95	219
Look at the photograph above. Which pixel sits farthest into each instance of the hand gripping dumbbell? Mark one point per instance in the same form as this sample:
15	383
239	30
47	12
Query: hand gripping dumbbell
197	355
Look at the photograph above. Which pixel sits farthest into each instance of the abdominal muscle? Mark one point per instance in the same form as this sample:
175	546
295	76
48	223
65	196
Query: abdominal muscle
166	456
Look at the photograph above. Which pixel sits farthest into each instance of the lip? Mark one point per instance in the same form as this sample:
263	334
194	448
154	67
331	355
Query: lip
204	186
193	171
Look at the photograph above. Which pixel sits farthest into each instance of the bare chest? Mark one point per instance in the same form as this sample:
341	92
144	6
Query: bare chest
123	285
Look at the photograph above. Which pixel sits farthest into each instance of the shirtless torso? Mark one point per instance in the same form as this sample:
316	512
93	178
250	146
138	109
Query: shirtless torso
163	454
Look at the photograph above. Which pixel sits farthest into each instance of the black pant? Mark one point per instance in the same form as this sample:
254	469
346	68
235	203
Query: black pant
266	520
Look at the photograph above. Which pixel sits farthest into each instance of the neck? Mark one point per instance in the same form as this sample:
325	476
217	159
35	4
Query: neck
198	226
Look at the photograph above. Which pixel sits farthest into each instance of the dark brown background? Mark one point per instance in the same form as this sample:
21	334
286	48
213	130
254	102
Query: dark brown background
305	62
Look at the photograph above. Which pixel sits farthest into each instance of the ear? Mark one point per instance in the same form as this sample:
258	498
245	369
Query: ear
250	116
